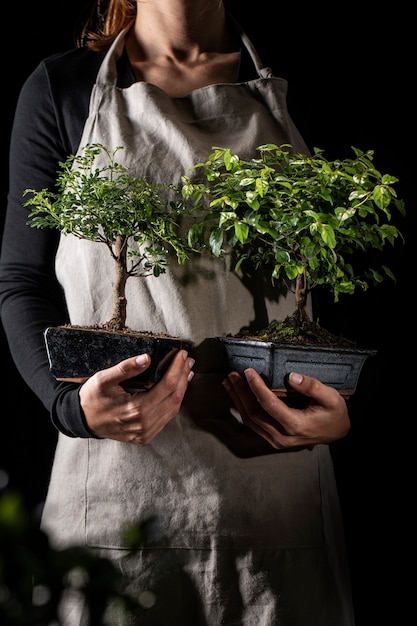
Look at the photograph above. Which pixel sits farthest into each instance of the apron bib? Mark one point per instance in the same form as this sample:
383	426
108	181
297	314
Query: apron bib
162	138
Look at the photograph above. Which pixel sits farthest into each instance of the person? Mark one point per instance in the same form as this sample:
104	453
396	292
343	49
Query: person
247	527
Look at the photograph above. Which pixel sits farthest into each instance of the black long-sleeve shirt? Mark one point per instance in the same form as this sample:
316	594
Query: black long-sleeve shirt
50	115
49	119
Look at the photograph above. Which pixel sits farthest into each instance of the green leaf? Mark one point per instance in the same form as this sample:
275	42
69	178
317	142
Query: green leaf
328	235
241	231
216	241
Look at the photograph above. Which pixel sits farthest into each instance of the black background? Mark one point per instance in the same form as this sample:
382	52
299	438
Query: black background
348	86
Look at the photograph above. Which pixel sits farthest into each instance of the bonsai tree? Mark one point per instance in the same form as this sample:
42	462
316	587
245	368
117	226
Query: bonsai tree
109	206
305	219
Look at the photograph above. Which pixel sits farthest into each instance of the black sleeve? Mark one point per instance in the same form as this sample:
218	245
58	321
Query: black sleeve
47	127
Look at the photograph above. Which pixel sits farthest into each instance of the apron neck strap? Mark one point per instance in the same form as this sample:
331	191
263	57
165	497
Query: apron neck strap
263	72
107	74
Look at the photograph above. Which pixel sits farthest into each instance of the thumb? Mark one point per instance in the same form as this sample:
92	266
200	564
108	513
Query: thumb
125	369
313	388
118	373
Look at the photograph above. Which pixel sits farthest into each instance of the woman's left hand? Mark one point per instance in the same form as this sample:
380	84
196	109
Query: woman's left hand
324	419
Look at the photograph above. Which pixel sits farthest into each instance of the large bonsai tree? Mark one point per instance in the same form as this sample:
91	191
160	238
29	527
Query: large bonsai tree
109	206
307	220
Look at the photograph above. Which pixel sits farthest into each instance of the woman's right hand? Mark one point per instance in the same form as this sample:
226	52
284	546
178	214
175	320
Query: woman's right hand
111	412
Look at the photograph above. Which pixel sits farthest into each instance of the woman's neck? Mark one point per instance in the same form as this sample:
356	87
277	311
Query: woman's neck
181	45
182	29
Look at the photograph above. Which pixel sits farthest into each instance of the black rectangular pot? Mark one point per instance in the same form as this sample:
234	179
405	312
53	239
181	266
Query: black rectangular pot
75	352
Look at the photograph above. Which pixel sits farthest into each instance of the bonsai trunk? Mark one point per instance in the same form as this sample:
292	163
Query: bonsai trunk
301	292
119	253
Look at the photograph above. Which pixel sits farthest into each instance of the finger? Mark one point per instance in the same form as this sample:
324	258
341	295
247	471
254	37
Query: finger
142	361
124	370
176	378
272	418
239	393
323	394
266	398
279	422
163	401
252	413
252	401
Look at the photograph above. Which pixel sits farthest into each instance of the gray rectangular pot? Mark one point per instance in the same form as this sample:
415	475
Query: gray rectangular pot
337	367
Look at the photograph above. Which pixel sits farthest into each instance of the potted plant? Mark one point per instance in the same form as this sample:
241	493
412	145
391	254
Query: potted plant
307	221
108	206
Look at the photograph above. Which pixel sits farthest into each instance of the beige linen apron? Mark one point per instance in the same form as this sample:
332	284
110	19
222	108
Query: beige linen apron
242	534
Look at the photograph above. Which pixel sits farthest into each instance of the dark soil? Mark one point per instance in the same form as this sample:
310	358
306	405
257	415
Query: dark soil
294	330
105	328
297	330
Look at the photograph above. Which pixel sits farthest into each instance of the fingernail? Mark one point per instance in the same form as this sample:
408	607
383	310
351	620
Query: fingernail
190	376
184	355
296	378
226	384
142	359
248	374
191	363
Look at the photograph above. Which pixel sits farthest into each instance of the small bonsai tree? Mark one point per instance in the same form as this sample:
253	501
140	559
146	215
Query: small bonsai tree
109	206
303	218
